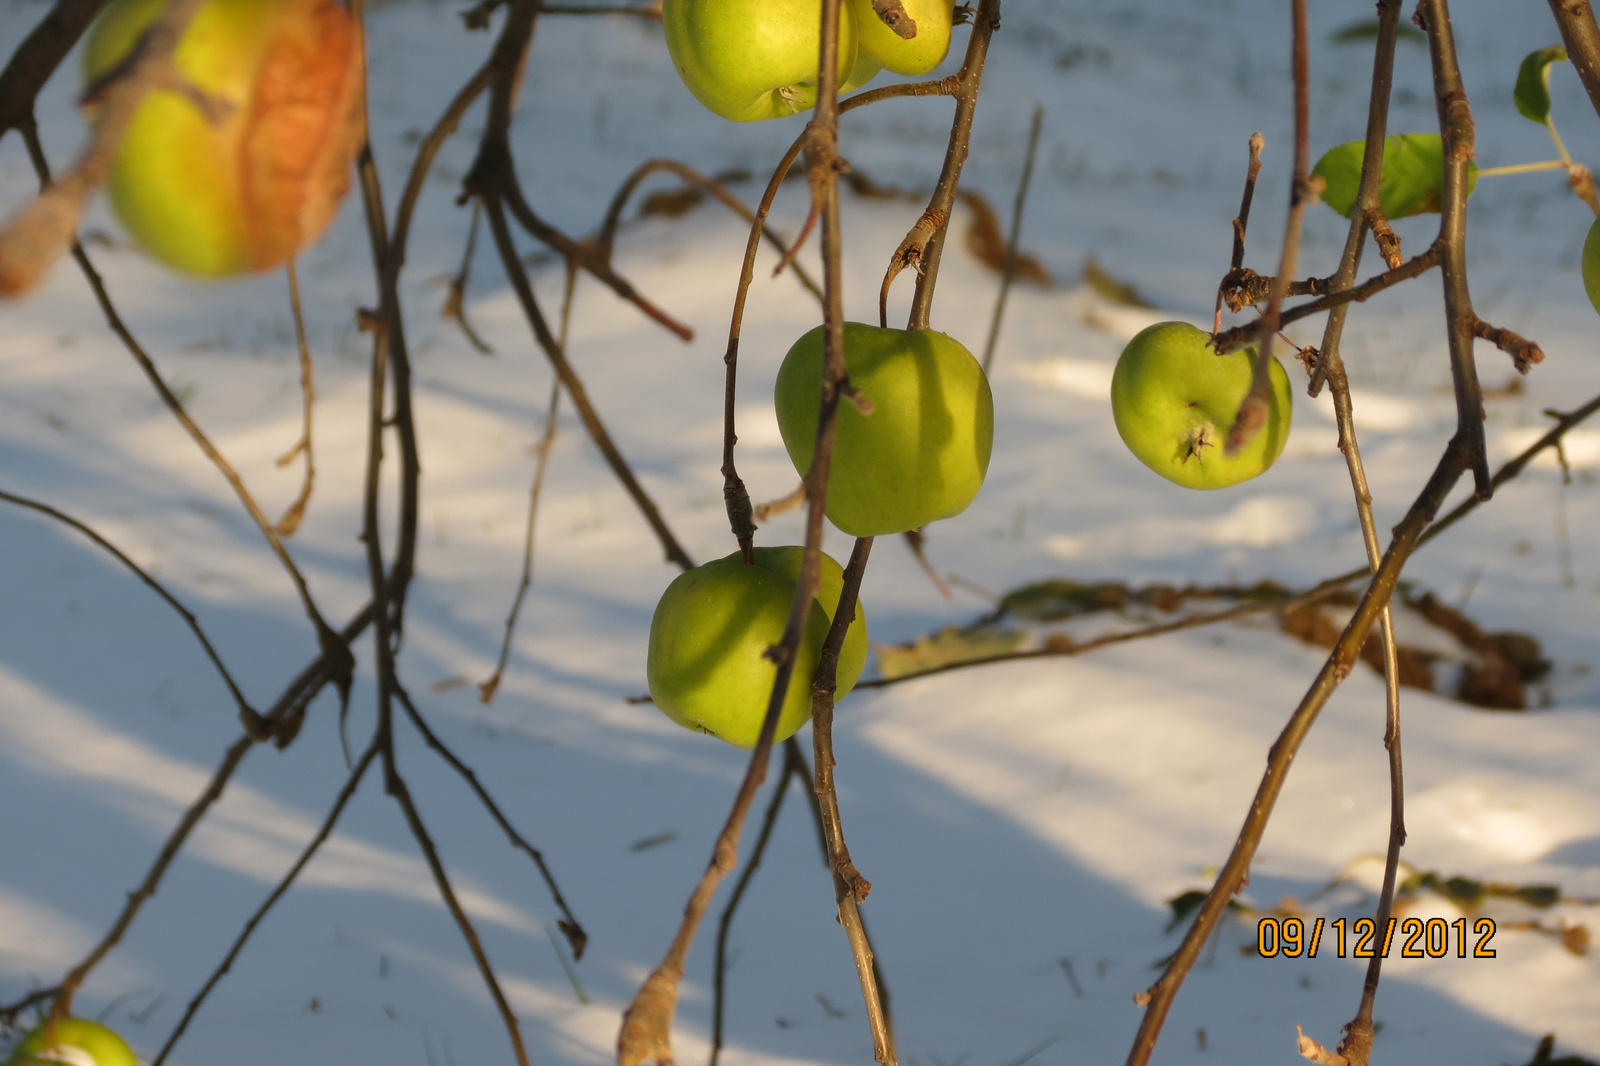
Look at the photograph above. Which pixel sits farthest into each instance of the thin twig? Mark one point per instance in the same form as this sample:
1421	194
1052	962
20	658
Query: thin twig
709	186
291	518
792	767
397	788
927	254
488	687
577	939
523	289
1009	271
288	879
248	716
1256	407
1241	223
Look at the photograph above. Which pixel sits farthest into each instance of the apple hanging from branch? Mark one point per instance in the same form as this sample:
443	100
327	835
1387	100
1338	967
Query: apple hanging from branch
749	60
707	665
922	452
1173	398
243	161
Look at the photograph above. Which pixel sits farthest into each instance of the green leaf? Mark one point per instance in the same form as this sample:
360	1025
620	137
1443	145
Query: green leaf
1412	182
1365	30
1532	94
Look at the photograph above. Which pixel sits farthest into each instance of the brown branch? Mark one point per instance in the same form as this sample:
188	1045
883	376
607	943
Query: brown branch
793	767
488	687
455	301
850	887
709	186
1009	271
292	517
1460	138
569	379
252	721
397	788
37	58
288	879
1357	1043
1523	352
1231	340
581	253
984	24
1575	19
1253	411
577	939
1241	223
645	1035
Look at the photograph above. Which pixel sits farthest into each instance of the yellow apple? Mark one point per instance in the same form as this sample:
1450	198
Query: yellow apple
77	1041
749	60
881	47
707	664
259	178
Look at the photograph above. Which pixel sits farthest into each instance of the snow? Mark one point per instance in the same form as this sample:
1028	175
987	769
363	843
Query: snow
1010	817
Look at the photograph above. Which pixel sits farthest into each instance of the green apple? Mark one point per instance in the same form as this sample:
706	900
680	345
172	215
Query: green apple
77	1041
1591	264
252	183
1174	399
881	47
748	60
707	664
922	452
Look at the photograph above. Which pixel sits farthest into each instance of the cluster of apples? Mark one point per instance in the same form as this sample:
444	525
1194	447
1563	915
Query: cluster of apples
241	161
749	60
78	1041
914	452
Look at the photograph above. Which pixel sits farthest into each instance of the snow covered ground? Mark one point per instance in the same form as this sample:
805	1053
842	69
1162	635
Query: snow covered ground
1010	817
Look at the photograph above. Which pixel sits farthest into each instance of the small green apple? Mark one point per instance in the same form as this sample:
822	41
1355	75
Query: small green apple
921	454
707	664
257	180
881	47
77	1041
1591	264
749	60
1174	399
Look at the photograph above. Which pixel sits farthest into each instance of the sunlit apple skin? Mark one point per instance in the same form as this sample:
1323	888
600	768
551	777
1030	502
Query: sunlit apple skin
882	47
1591	264
244	191
1174	399
921	454
707	665
77	1041
748	60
